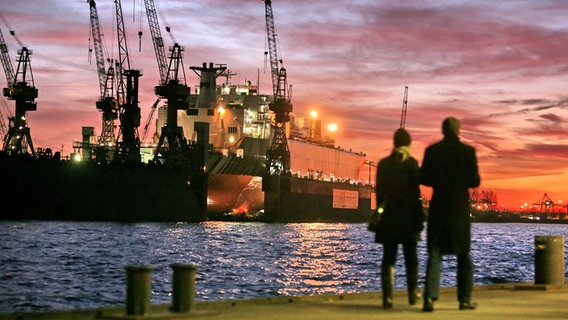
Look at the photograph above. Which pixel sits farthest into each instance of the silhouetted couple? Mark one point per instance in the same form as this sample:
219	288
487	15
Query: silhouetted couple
450	168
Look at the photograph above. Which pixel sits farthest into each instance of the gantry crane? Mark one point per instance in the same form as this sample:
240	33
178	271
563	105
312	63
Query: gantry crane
404	108
172	145
545	202
127	96
21	89
107	104
278	155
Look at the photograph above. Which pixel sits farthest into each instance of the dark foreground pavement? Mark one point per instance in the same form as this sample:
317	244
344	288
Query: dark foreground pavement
508	301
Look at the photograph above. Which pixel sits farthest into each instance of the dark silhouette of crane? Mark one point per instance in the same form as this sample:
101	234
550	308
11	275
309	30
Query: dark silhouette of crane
172	146
157	40
107	103
160	52
545	202
278	157
404	108
127	95
21	89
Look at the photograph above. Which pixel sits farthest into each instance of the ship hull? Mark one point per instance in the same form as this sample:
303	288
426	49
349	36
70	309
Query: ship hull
64	190
235	190
230	194
296	199
240	198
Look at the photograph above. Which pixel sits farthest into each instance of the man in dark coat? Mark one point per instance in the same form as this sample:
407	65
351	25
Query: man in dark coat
450	168
398	194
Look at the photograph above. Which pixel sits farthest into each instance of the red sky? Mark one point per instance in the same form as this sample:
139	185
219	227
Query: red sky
499	66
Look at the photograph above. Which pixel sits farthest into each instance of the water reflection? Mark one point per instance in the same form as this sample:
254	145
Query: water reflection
57	265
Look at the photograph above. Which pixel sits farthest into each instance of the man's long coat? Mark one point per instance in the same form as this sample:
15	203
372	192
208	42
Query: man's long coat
450	168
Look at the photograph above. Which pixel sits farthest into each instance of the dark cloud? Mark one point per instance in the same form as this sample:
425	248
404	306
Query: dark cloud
559	104
555	150
552	117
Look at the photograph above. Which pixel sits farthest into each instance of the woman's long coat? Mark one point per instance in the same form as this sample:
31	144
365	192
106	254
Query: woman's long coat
450	168
398	190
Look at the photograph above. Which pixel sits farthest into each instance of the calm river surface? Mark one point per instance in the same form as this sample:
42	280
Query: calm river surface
75	265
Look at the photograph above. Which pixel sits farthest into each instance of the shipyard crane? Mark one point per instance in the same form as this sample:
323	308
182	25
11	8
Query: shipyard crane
404	108
279	153
172	144
127	96
158	42
545	202
107	104
21	89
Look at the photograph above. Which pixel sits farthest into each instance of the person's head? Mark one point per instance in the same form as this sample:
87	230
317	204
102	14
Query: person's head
451	126
401	138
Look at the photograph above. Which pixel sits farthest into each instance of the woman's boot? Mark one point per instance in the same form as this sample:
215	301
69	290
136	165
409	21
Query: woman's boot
387	279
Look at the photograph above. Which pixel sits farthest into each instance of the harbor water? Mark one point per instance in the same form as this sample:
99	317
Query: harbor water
78	265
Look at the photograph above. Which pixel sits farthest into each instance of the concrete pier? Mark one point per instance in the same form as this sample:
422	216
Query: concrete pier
507	301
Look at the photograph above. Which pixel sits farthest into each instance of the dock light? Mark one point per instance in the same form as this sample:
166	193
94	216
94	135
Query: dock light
232	139
77	157
221	111
314	114
332	127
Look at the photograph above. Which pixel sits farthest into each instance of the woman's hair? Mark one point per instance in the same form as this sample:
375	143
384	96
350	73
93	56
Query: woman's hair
401	138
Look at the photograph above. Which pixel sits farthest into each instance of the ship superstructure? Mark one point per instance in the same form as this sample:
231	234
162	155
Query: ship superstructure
241	135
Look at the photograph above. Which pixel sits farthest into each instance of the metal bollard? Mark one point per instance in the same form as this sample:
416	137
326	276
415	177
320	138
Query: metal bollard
138	289
183	283
549	260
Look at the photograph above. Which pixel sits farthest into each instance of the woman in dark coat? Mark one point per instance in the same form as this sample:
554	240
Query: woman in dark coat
398	195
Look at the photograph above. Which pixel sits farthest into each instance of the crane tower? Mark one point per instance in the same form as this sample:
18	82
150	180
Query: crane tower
107	104
278	154
21	89
127	96
404	108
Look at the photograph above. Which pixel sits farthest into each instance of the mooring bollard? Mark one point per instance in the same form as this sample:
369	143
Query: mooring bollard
183	287
138	289
549	260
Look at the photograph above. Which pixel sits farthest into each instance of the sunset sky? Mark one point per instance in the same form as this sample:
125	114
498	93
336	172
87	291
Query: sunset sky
501	67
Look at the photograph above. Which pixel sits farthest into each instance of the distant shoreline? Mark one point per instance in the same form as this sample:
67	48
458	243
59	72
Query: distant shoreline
519	217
